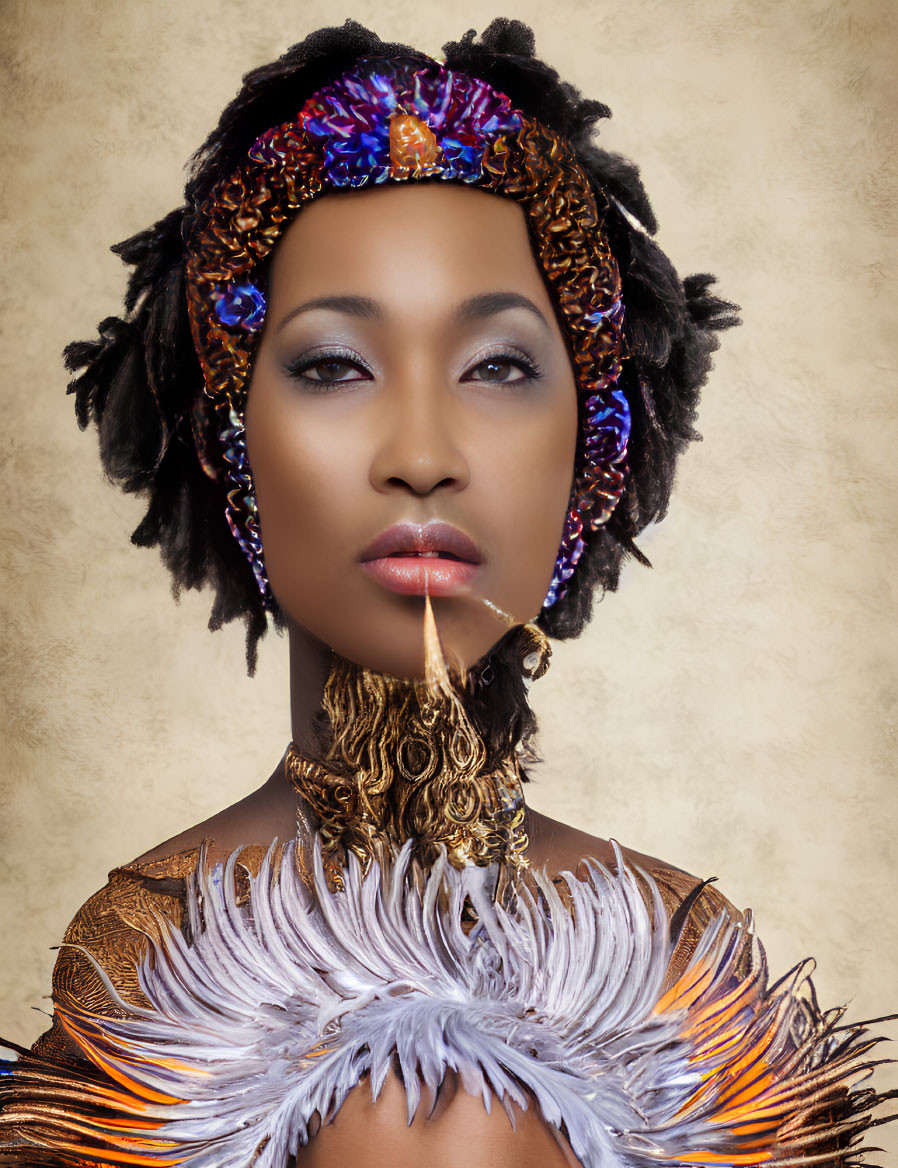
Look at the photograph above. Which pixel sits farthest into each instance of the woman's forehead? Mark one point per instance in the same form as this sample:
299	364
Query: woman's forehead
444	240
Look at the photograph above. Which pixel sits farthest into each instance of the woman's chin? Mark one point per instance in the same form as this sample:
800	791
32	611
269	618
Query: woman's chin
406	658
392	642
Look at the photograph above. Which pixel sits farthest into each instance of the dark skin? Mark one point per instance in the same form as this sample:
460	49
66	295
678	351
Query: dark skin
450	401
414	400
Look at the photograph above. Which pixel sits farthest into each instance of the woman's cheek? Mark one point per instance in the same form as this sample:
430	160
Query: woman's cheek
529	520
296	535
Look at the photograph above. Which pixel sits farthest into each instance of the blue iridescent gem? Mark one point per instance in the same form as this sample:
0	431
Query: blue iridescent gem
626	419
241	306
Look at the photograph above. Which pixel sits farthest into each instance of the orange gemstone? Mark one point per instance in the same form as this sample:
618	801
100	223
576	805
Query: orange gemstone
413	148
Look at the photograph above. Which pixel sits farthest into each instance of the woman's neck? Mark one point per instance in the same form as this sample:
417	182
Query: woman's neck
382	760
311	661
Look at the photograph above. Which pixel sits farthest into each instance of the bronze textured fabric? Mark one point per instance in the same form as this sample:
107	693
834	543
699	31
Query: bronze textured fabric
114	926
115	923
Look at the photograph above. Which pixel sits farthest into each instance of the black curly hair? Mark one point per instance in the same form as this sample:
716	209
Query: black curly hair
140	382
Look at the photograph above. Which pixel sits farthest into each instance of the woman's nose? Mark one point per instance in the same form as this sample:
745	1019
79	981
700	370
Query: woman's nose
418	448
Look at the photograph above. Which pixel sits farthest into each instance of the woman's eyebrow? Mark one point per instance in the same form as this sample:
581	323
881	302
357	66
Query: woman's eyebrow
474	308
361	306
488	304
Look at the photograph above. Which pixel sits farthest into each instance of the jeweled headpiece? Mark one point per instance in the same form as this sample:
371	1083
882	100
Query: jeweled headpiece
393	121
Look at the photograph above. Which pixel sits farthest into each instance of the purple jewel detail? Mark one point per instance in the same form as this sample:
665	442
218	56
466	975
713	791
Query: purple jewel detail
570	551
241	512
241	306
352	118
607	423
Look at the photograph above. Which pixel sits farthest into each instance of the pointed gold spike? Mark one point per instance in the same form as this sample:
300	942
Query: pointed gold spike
436	673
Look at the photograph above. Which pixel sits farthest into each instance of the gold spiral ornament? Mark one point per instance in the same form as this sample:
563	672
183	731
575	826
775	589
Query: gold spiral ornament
403	760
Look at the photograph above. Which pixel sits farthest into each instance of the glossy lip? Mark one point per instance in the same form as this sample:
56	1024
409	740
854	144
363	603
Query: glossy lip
407	559
419	538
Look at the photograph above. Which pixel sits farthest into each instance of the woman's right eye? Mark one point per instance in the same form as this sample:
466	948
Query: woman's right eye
327	370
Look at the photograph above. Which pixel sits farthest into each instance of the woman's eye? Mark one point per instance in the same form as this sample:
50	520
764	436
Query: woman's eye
503	369
327	370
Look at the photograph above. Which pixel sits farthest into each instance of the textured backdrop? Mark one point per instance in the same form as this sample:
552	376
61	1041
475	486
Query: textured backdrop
733	710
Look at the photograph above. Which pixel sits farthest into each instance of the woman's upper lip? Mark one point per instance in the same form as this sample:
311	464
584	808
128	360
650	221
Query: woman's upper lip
434	536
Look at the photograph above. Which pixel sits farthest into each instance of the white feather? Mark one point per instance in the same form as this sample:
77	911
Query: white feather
281	1006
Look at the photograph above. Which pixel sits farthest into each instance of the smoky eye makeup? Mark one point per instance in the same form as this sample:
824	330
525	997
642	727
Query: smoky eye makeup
502	364
327	367
494	364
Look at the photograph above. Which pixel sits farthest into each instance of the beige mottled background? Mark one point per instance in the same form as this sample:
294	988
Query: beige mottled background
732	711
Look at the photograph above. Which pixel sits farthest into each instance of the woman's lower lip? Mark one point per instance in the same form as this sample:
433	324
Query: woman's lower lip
421	575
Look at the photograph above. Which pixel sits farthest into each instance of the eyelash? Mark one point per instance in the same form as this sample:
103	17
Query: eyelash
296	369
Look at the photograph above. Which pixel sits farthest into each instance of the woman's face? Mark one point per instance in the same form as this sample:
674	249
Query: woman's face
411	423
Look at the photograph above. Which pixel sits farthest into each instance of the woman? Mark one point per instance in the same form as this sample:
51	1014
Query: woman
400	373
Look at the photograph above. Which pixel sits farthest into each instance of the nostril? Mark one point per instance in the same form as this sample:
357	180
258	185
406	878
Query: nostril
419	460
419	487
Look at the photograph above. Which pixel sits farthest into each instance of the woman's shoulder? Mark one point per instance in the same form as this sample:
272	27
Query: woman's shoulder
559	847
555	846
114	925
263	817
691	903
114	928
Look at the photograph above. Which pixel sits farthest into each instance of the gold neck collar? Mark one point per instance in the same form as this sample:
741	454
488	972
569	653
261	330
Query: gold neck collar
403	760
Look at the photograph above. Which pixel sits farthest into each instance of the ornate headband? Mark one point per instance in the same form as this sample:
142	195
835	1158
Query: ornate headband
391	121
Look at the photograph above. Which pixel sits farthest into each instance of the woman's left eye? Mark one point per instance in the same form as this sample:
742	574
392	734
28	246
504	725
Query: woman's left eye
333	370
327	370
504	368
